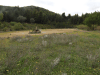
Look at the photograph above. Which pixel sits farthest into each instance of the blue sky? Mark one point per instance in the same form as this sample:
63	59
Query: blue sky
59	6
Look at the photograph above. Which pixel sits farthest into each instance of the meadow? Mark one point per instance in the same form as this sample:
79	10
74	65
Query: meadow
68	53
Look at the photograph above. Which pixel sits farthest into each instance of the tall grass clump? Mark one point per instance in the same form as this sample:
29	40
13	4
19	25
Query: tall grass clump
60	39
16	38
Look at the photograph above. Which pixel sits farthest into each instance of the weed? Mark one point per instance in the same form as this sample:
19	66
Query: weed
15	38
52	54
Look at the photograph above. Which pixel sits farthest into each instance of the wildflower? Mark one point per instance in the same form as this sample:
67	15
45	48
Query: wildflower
42	37
36	62
36	68
17	71
17	64
19	40
44	43
7	70
91	44
45	36
89	67
64	74
64	33
56	61
74	72
70	43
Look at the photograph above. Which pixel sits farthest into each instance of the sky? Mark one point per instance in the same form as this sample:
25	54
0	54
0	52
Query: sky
59	6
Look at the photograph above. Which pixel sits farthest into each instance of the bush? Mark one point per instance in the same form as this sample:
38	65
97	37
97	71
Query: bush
25	24
18	26
25	28
97	28
5	29
12	28
12	23
2	26
6	24
84	27
89	29
15	38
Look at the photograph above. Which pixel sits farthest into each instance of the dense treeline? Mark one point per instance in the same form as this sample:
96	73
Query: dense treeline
33	14
40	15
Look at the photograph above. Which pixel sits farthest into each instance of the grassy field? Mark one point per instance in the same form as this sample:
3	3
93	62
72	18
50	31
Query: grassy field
75	53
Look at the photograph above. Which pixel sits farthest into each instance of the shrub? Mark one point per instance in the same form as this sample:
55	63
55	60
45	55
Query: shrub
6	24
97	28
88	28
6	29
15	38
12	28
84	27
2	26
12	23
25	24
24	28
18	26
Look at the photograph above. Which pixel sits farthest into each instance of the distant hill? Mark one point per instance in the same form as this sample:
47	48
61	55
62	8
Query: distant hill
41	15
6	8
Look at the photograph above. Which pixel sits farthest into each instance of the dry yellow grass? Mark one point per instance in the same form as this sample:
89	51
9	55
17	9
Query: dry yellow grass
44	31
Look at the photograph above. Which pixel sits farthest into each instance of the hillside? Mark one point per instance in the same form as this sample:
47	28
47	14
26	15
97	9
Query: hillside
40	15
17	17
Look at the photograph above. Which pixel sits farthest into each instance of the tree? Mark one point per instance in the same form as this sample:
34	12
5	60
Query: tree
28	14
21	18
63	15
69	16
32	20
1	16
92	20
40	17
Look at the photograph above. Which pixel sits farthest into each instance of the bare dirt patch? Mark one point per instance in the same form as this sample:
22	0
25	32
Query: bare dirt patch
44	31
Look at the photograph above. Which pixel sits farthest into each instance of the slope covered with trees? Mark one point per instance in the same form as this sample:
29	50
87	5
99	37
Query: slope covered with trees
43	16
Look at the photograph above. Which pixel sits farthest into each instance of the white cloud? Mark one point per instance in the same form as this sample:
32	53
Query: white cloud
93	5
59	6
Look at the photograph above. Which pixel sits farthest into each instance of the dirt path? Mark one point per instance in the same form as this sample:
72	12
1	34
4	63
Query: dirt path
44	31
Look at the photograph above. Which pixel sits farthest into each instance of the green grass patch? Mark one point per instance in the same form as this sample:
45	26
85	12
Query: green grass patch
75	53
